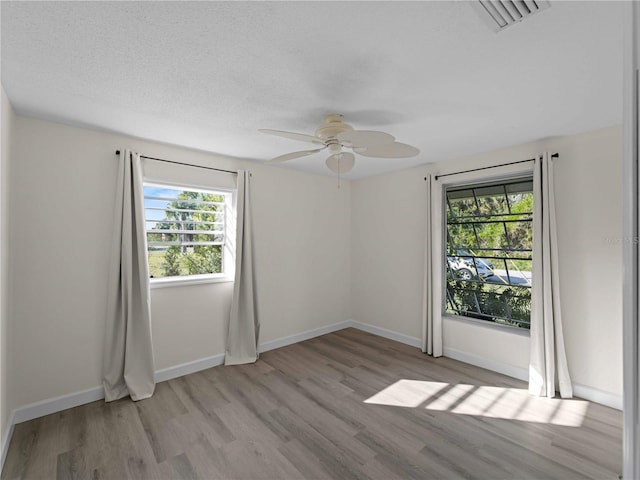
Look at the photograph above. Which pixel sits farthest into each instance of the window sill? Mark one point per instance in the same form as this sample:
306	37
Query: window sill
523	332
184	281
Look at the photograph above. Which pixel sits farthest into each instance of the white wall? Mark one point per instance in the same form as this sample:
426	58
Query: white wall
62	206
387	257
6	126
324	255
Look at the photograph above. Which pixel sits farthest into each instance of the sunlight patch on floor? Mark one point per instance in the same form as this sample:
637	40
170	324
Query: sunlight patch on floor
407	393
482	400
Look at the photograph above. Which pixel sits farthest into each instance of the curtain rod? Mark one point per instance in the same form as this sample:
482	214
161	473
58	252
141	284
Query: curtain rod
185	164
555	155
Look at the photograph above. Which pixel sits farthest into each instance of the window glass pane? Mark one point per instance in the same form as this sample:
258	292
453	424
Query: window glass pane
520	187
521	202
491	200
489	248
162	237
179	261
186	230
461	203
491	235
462	236
520	235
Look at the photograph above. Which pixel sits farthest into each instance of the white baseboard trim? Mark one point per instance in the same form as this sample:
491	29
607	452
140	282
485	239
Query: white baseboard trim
493	365
63	402
383	332
216	360
598	396
189	367
582	391
302	336
57	404
6	439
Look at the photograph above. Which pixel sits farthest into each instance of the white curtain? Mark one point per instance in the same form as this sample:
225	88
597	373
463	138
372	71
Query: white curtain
128	352
432	282
548	361
244	327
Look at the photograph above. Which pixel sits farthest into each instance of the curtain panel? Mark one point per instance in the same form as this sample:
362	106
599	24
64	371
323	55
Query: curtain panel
432	288
548	362
244	326
128	367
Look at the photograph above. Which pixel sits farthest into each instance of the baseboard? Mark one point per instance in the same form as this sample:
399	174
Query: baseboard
189	367
598	396
57	404
302	336
216	360
588	393
383	332
582	391
6	439
486	363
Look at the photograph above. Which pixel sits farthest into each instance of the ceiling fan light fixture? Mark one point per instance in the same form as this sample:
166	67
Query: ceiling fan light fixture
334	147
341	162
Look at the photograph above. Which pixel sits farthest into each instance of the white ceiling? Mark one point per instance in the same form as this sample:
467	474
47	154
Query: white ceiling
208	75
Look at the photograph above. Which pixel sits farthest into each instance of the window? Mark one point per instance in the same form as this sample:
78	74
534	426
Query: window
489	251
187	231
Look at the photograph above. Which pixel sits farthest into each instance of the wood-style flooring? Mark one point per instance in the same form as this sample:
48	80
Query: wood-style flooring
344	405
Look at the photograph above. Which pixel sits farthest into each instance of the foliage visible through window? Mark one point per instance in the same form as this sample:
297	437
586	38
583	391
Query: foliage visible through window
489	252
186	230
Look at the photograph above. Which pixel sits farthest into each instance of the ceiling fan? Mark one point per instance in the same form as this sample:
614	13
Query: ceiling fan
336	135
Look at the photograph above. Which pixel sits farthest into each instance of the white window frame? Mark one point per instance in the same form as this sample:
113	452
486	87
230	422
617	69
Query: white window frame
438	205
476	185
228	251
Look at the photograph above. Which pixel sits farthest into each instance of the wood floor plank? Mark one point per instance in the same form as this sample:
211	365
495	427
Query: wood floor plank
205	459
245	425
25	436
182	467
157	419
43	454
304	460
345	405
239	386
332	457
257	460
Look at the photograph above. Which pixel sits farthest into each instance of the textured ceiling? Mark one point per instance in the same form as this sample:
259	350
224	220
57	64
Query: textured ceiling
208	75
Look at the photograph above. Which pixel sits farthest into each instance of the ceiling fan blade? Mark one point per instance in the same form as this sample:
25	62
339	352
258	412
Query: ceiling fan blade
365	138
293	136
341	162
389	150
292	155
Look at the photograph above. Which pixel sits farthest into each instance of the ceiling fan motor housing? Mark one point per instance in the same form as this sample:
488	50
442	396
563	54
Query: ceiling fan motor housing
332	126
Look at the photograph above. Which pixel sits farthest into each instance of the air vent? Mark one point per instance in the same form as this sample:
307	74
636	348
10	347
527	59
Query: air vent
504	13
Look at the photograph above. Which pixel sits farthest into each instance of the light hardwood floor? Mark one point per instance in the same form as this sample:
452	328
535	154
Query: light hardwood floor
344	405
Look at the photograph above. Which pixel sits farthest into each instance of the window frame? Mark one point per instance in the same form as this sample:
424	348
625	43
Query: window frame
474	186
438	200
228	250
